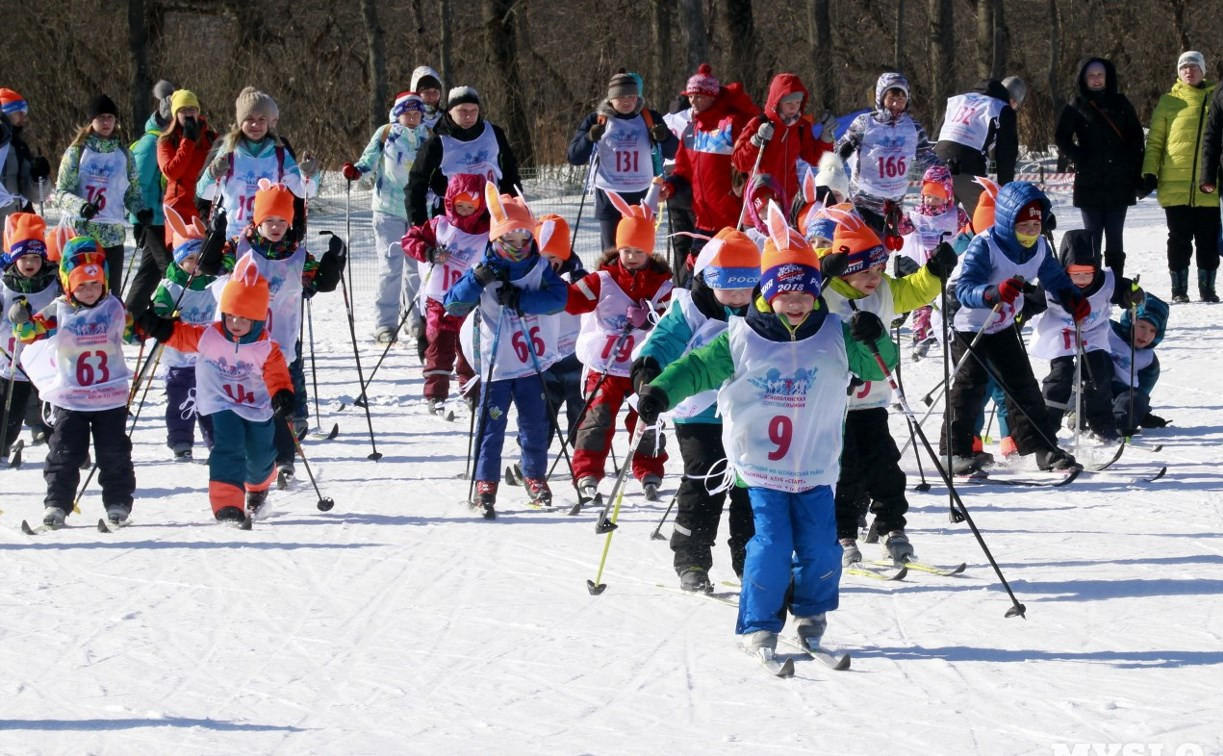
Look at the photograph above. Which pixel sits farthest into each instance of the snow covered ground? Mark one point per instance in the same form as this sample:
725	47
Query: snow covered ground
400	623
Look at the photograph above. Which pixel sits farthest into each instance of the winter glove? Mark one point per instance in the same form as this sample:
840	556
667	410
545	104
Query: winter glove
1007	291
637	315
89	210
191	130
509	296
1148	185
834	264
644	370
19	312
213	248
327	274
351	172
651	402
1207	188
219	167
1153	421
283	404
665	190
828	127
865	327
764	132
308	166
436	255
484	274
39	168
335	246
597	129
1076	304
1132	296
145	218
660	133
943	261
157	327
1050	223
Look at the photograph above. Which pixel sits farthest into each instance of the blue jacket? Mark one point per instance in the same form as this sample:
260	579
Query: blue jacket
976	265
548	299
152	183
1154	311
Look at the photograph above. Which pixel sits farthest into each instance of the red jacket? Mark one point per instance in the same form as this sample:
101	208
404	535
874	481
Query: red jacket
704	157
419	239
789	143
181	161
640	285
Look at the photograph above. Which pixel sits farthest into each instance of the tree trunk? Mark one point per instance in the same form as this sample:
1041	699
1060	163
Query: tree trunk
501	53
1055	63
692	16
1002	41
1178	23
448	73
819	33
142	82
377	64
942	56
985	38
741	31
662	75
898	37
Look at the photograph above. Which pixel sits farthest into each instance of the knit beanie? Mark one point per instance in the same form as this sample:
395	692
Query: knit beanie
1018	89
162	91
246	292
762	189
832	174
553	238
507	213
102	105
406	101
24	234
788	263
183	98
462	95
1033	211
703	82
82	261
11	102
623	84
983	216
1191	57
937	182
253	102
273	201
859	243
730	260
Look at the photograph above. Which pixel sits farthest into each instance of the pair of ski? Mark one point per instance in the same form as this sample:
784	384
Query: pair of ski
106	525
886	569
14	460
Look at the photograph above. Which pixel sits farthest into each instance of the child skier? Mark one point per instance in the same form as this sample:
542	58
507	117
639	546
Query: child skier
1056	338
564	378
1132	342
74	354
935	219
387	159
724	276
783	370
27	277
242	384
184	292
292	273
870	461
616	303
449	244
885	145
990	291
515	339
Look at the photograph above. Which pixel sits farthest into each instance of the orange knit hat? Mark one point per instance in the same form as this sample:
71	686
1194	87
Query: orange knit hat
983	216
273	201
857	240
553	237
788	262
507	213
246	292
730	260
24	234
636	226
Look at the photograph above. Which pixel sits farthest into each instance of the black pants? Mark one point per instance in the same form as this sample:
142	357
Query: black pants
112	452
114	265
697	511
1008	361
1097	392
1121	406
563	382
16	414
870	470
1190	227
154	259
1106	224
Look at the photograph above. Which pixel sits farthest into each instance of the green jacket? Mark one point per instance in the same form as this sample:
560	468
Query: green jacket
1174	145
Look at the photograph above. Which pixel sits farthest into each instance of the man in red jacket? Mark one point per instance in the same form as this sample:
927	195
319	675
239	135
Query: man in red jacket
783	131
703	161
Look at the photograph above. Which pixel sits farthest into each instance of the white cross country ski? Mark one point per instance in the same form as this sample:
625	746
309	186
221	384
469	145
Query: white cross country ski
933	569
838	660
892	572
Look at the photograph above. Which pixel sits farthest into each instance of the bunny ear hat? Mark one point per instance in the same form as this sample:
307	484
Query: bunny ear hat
507	213
636	227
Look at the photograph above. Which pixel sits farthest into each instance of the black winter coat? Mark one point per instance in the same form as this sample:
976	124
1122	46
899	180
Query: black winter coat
1100	132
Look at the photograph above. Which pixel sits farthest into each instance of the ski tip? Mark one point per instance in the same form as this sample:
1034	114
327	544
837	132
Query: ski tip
102	525
247	522
842	663
508	476
595	588
787	668
1162	472
575	510
25	528
335	431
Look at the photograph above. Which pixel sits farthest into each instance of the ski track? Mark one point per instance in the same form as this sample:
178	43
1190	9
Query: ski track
401	622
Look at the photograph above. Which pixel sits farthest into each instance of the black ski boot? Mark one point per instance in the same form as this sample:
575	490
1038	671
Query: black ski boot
695	580
1180	286
255	501
486	498
1206	286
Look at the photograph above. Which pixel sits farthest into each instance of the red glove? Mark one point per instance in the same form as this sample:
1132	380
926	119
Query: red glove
1078	307
1010	289
893	242
350	172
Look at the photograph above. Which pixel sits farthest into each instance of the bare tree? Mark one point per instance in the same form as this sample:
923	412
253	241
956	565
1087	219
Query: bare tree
741	30
447	16
501	52
898	37
144	25
376	63
942	57
662	75
692	16
819	34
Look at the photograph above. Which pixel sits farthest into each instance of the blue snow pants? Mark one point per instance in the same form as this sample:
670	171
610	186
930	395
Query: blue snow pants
534	427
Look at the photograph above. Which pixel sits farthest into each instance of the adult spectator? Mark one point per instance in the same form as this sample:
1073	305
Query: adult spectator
19	170
975	123
703	161
462	142
1100	131
628	142
428	84
1174	146
182	151
154	257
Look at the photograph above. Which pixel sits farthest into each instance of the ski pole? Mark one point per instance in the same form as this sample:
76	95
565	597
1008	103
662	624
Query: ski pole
922	423
1078	384
571	436
335	428
325	503
485	391
552	425
374	455
921	469
657	534
1133	421
748	186
8	394
42	180
473	385
608	525
361	400
591	167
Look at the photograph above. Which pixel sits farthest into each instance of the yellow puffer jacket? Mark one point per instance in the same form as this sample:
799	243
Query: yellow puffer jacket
1174	145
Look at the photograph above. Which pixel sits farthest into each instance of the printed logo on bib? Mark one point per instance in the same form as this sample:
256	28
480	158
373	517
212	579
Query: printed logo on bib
780	391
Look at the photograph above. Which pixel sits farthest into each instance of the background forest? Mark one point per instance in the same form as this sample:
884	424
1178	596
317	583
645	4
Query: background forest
335	65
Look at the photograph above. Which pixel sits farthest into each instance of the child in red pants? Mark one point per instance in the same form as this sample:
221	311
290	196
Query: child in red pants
449	243
615	303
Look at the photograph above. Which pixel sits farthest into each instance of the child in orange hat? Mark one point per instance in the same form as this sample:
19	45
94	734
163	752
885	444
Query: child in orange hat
564	378
870	469
781	373
511	335
243	384
617	303
73	352
293	274
724	275
28	277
